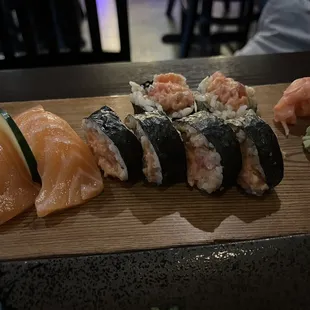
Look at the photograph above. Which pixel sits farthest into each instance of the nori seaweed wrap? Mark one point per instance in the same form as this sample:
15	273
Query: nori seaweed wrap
116	148
164	159
212	150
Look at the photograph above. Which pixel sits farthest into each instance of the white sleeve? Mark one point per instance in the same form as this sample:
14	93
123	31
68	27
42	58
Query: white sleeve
284	26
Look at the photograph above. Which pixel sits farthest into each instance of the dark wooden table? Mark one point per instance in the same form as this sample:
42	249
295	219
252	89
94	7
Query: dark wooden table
262	274
112	79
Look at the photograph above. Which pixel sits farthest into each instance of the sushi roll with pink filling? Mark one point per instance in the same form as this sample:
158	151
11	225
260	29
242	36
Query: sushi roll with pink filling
168	93
262	162
164	159
212	151
224	96
116	149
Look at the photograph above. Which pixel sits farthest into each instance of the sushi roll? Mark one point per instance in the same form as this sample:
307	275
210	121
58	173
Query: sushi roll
166	93
164	159
212	151
224	96
262	162
116	148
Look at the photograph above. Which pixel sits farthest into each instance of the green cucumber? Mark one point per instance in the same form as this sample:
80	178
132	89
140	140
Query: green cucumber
9	127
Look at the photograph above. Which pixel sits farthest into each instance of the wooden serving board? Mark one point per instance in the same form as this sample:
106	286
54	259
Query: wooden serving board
134	217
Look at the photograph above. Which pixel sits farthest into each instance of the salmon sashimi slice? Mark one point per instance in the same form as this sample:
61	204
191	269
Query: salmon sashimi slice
171	92
294	102
17	191
68	170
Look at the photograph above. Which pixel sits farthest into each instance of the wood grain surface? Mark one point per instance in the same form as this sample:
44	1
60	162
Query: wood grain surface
112	79
131	217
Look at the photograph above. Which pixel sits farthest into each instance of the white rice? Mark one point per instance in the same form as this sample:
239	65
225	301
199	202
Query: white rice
120	169
240	135
184	112
204	84
206	175
247	178
140	100
151	165
251	183
136	87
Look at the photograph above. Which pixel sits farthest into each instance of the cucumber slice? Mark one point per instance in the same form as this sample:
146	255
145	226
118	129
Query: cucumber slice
9	127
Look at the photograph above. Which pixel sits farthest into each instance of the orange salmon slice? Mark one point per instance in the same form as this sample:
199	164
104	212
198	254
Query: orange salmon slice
17	191
69	173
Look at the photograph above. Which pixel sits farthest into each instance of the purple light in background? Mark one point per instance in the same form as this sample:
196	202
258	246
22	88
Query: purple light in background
103	6
108	23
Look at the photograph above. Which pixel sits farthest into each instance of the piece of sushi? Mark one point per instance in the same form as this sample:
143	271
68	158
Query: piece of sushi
167	93
224	96
212	151
262	162
68	170
17	188
164	159
294	102
116	148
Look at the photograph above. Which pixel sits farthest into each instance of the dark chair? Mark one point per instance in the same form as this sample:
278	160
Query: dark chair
210	42
170	6
51	34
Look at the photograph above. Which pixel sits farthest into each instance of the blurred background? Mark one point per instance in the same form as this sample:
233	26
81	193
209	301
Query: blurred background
156	27
37	33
